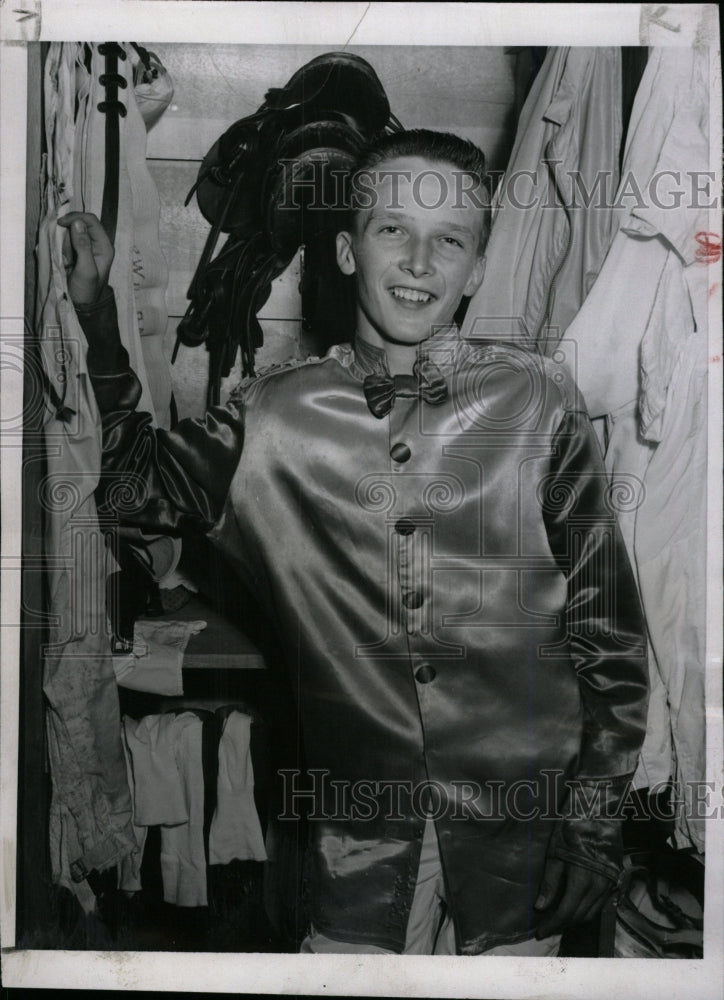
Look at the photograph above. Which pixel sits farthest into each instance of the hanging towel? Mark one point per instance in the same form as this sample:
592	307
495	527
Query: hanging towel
235	828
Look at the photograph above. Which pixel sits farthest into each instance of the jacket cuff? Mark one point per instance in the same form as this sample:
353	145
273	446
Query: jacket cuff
589	832
596	844
99	322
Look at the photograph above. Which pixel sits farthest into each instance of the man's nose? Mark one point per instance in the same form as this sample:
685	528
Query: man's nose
417	259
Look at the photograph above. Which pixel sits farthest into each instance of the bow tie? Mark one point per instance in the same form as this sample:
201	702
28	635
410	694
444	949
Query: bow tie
426	382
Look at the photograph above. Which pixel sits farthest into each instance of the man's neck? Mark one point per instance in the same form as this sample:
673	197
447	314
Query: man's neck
400	357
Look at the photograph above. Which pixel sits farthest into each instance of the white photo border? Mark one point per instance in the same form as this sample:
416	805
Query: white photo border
336	25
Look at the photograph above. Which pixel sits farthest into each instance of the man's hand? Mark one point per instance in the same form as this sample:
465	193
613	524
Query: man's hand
92	256
571	894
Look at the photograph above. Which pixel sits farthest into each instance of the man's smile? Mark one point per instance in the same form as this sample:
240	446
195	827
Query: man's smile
411	296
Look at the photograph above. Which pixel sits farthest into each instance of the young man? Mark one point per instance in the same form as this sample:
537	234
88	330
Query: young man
426	519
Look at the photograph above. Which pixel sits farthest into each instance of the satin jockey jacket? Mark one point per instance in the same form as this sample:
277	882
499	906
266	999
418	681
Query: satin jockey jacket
456	607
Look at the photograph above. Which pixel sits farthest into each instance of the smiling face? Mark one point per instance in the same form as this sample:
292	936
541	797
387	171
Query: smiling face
415	251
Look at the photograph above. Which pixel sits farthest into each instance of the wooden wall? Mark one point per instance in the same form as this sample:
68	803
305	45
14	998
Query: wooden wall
467	90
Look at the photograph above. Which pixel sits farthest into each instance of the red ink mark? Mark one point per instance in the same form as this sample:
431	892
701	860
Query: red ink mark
717	357
714	288
709	250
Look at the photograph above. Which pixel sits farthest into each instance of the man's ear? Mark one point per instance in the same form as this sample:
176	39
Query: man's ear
476	276
345	253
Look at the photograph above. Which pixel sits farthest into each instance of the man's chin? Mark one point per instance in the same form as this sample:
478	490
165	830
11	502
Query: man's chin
409	341
414	334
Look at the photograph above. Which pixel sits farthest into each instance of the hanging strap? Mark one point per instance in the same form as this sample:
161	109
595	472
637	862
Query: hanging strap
113	109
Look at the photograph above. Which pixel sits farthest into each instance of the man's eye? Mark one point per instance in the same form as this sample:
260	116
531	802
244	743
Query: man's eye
390	229
451	241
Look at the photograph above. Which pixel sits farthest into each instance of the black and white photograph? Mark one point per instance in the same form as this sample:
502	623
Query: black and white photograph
361	438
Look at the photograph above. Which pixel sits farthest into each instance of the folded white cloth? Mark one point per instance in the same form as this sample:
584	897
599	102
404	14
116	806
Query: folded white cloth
235	829
157	659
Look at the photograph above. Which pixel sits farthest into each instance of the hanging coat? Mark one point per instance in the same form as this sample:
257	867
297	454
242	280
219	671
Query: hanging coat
551	229
641	340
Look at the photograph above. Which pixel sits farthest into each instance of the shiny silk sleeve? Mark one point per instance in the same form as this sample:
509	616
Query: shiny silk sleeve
156	480
606	643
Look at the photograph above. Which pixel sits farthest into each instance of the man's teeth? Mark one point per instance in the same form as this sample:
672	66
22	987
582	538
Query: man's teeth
411	295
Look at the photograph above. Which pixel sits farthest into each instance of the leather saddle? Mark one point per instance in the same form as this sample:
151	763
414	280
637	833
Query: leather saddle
275	181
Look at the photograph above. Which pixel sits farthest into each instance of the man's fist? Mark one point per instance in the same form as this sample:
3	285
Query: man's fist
571	895
89	262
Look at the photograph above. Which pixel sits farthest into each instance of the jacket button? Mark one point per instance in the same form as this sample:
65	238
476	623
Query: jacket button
425	674
405	526
413	599
400	452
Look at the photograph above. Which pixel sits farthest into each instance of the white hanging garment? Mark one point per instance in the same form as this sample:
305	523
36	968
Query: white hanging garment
90	808
152	85
641	340
235	829
150	270
551	229
168	791
129	870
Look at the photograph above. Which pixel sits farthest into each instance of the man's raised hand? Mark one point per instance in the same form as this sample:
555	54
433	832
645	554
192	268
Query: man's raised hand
92	256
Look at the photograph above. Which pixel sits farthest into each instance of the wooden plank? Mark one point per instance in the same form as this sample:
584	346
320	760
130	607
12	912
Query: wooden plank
496	142
431	86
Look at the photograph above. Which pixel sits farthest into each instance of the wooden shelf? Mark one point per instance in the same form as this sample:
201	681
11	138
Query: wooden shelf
220	646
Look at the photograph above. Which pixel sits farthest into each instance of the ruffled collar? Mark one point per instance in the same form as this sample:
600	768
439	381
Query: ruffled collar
368	359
